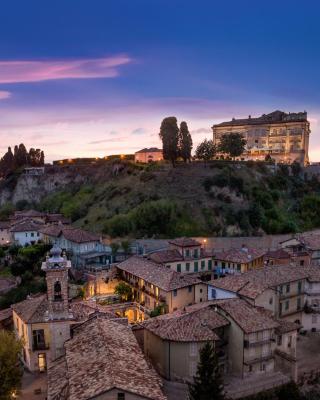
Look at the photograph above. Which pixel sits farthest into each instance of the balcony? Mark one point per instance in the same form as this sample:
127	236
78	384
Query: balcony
40	346
257	358
257	342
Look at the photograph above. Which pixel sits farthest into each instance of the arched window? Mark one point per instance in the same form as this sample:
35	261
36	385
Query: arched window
57	291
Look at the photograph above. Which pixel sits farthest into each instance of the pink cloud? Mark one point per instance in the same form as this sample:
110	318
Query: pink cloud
36	71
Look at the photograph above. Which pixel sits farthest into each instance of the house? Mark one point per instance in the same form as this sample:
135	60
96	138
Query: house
305	242
154	285
283	257
5	234
147	155
172	341
103	361
29	214
279	289
85	248
43	321
185	255
248	341
238	261
26	232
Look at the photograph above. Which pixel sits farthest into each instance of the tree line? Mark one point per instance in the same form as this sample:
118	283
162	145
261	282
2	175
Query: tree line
177	143
20	157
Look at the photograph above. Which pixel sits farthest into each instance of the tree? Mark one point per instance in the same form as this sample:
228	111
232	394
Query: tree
185	142
124	291
296	169
207	383
206	150
232	144
114	250
169	134
125	245
10	371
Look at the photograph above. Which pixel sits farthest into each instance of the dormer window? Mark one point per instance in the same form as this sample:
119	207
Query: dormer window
57	291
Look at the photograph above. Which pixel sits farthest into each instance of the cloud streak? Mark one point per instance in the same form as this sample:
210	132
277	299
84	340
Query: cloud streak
37	71
4	94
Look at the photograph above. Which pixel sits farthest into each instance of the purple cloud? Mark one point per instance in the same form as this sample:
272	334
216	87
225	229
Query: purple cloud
37	71
4	94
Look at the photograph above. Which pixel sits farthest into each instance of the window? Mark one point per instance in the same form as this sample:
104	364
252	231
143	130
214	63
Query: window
188	267
57	291
203	264
299	303
216	263
299	286
301	264
189	289
38	339
195	253
200	290
175	292
210	265
32	234
121	396
279	340
196	266
271	300
288	288
314	318
187	253
286	305
178	267
26	235
281	289
280	309
239	267
213	293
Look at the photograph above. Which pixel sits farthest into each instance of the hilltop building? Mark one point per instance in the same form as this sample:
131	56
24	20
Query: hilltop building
285	137
148	155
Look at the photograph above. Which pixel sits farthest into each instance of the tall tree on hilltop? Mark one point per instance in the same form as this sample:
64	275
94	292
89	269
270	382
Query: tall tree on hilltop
232	144
7	162
185	142
21	155
206	150
169	134
207	383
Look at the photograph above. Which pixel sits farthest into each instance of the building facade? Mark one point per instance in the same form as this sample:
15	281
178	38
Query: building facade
285	137
148	155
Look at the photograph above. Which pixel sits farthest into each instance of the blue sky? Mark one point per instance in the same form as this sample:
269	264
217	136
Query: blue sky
80	77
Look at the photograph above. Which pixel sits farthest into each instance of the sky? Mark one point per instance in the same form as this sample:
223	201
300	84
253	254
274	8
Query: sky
88	78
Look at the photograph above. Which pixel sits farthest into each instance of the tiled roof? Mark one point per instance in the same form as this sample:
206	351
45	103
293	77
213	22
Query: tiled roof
58	380
165	256
274	117
252	283
32	309
27	225
249	318
5	224
149	150
183	326
184	242
101	356
310	240
72	234
29	214
157	274
278	254
243	255
5	314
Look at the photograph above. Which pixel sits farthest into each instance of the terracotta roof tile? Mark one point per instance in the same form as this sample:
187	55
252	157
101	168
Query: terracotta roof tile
32	309
165	256
157	274
243	255
187	326
72	234
26	225
104	355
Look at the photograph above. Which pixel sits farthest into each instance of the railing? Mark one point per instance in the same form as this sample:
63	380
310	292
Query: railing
40	346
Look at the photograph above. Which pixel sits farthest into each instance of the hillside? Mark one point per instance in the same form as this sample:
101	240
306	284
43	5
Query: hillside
124	199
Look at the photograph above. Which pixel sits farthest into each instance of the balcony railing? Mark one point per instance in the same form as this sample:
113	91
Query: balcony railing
40	346
258	357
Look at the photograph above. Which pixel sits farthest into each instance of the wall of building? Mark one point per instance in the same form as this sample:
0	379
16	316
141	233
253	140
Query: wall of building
23	238
5	236
219	293
148	156
113	395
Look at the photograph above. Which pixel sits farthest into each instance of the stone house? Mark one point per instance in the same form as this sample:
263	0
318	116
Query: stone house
238	261
283	257
156	285
248	340
26	232
147	155
185	255
85	248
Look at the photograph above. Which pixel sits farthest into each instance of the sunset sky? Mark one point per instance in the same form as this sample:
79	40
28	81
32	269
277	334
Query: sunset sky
96	77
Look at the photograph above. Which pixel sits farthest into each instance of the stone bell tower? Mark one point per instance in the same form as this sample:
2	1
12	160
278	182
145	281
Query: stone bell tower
56	268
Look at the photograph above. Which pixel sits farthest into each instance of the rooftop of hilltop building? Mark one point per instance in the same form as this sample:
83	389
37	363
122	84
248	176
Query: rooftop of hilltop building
149	150
157	274
272	118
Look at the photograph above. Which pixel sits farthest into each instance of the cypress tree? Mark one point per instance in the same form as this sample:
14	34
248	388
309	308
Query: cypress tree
185	142
208	382
169	134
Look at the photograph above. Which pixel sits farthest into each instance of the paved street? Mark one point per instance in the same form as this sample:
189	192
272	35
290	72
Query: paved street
34	386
